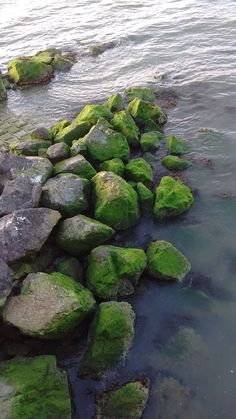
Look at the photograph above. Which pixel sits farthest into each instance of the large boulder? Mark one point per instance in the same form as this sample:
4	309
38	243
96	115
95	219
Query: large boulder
116	202
26	71
105	144
76	165
37	169
79	234
142	111
165	262
124	123
19	193
6	275
91	114
138	170
127	401
176	146
72	132
66	193
172	198
34	388
24	232
144	93
114	271
110	338
49	305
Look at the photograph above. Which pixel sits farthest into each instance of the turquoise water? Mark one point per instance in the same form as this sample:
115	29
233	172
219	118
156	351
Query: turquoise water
186	47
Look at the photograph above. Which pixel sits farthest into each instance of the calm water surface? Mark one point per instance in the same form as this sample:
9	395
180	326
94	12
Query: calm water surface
188	47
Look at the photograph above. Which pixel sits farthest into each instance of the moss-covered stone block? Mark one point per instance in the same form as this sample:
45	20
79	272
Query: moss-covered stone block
28	147
144	93
138	170
176	146
151	140
142	111
91	114
76	165
124	123
59	126
24	71
72	132
146	196
175	163
115	102
114	165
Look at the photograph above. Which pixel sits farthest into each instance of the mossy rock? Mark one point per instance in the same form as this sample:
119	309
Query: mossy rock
142	111
58	152
172	198
34	388
165	262
114	271
104	144
49	305
115	102
175	163
59	126
61	63
45	56
124	123
176	146
145	195
71	267
104	122
79	147
151	140
116	202
77	165
26	71
80	234
91	114
41	133
72	132
138	170
114	165
110	338
151	125
28	147
144	93
127	401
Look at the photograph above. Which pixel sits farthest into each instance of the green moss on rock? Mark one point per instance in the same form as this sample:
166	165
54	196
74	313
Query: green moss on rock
151	140
176	146
59	126
144	93
77	165
165	262
172	198
91	114
114	271
114	165
142	111
110	338
79	147
24	70
72	132
174	163
138	170
28	147
151	125
145	195
116	202
124	123
115	102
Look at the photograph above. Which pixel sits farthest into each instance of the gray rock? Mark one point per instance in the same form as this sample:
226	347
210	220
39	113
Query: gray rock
28	147
57	152
77	165
18	194
5	282
66	193
24	232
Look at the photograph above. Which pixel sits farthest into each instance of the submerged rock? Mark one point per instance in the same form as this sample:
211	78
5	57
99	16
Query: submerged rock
104	144
165	262
91	114
58	152
99	48
144	93
49	305
116	202
115	102
34	388
61	63
172	198
76	165
138	170
72	132
24	232
110	338
124	123
176	146
175	163
142	111
151	140
114	271
66	193
6	284
79	234
127	401
27	70
114	165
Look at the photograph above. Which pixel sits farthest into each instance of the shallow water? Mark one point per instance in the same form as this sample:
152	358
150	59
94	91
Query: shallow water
188	47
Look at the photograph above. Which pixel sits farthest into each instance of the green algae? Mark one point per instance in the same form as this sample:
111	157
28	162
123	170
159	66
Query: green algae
151	140
175	163
138	170
91	114
176	146
115	102
114	165
124	123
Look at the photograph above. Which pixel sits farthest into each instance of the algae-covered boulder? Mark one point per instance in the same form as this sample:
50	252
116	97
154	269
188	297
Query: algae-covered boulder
61	63
176	146
141	111
127	401
6	283
104	144
110	338
115	102
28	147
145	196
114	165
91	114
151	140
79	234
79	147
72	132
59	126
66	193
124	123
49	305
24	232
34	388
71	267
76	165
165	262
114	271
172	198
116	202
144	93
175	163
138	170
58	152
25	71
